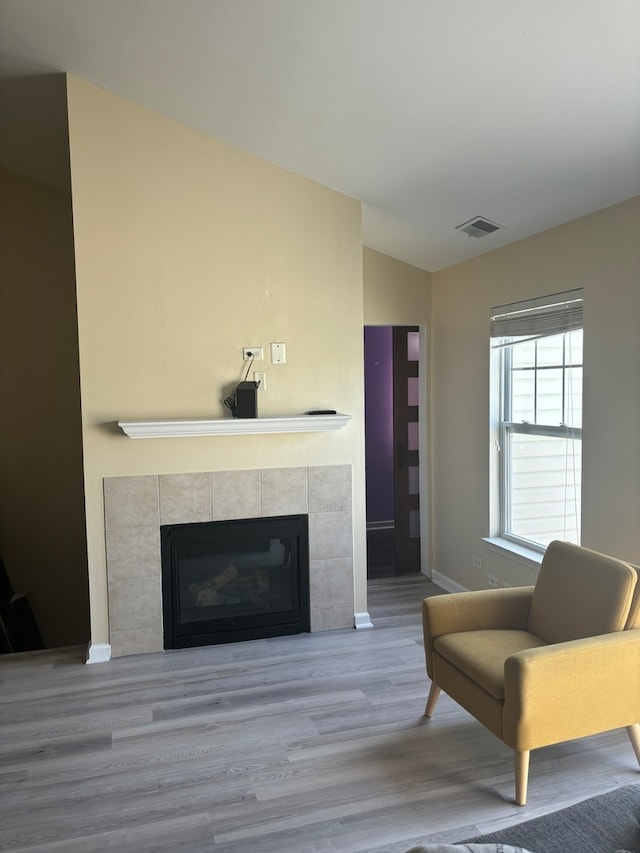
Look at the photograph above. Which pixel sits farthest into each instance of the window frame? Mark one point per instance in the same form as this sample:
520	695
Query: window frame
506	429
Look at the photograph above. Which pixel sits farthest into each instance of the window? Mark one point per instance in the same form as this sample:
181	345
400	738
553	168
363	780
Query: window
537	359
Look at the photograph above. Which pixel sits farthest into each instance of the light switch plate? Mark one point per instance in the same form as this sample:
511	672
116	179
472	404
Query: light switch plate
278	353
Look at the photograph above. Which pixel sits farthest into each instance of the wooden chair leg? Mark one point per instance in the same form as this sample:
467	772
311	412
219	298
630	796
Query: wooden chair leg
634	736
433	698
522	776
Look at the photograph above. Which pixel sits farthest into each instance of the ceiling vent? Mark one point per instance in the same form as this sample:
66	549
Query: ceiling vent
478	227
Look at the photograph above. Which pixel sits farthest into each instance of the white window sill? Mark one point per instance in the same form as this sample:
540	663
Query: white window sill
521	553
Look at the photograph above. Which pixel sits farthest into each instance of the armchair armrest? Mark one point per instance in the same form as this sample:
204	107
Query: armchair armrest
474	611
569	690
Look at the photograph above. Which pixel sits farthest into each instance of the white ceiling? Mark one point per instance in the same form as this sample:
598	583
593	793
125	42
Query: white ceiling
429	111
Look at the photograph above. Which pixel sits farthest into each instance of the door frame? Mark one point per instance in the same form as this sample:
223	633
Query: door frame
424	410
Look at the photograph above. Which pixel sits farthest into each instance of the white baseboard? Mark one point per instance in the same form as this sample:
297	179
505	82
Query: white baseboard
363	620
98	653
447	583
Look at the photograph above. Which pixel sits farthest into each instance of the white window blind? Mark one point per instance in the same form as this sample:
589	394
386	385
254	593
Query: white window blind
537	318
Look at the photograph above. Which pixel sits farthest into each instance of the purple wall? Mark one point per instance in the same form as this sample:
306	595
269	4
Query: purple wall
378	407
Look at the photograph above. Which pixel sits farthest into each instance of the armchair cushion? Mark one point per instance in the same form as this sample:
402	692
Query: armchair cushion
504	608
481	655
580	593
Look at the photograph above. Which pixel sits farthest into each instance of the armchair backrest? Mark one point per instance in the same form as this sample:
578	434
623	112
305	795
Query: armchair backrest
581	593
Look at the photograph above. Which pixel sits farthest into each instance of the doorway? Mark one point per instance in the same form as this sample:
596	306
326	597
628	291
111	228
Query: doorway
392	357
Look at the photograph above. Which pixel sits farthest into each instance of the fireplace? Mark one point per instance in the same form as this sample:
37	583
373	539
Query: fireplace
228	581
137	508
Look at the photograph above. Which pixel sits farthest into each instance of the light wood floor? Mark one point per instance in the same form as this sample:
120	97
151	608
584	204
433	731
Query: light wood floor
296	744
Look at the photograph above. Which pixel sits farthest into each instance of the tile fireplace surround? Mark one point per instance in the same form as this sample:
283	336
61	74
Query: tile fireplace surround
135	507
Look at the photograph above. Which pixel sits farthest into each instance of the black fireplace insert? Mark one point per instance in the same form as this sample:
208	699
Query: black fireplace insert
227	581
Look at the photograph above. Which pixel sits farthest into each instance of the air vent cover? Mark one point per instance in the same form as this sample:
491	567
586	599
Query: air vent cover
479	226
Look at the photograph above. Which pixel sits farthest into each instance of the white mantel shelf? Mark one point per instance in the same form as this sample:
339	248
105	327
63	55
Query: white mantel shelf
232	426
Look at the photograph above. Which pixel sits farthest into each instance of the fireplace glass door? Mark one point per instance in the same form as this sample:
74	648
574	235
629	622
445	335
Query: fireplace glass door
234	580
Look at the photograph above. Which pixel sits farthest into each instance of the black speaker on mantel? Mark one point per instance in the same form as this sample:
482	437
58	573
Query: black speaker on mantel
247	400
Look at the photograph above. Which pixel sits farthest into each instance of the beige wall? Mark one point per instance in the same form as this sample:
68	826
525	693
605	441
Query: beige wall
42	532
395	293
600	253
186	251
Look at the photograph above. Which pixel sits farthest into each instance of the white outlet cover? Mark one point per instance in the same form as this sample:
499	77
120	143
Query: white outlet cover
257	353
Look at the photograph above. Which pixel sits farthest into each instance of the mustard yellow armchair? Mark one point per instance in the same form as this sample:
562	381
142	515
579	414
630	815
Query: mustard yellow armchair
545	664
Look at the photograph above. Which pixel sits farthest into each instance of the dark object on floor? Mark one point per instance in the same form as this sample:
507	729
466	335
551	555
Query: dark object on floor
18	629
603	824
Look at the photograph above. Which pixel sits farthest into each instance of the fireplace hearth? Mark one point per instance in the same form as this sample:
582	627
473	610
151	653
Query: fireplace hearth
230	581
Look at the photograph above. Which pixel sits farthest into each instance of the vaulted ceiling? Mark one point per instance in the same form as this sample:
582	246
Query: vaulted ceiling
431	112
